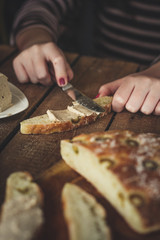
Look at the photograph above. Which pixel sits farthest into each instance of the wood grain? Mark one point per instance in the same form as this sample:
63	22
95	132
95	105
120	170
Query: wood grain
5	52
52	182
35	94
40	154
136	122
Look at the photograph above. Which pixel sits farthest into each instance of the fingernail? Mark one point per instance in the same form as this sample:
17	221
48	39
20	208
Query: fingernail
97	95
61	81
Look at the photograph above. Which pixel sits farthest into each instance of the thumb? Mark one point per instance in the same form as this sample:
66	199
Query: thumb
109	89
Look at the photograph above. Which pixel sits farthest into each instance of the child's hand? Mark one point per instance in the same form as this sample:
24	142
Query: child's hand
32	65
139	91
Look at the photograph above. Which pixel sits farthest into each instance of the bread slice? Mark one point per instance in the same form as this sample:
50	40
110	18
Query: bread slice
21	215
5	93
64	120
125	168
85	218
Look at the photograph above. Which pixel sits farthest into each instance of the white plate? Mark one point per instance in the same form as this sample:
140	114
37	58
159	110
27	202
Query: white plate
19	102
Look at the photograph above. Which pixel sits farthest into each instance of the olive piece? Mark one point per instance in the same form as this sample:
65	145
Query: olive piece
75	149
132	143
75	120
109	162
150	164
121	196
101	139
136	200
24	190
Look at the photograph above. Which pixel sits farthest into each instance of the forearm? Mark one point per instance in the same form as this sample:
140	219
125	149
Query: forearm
31	36
45	14
153	71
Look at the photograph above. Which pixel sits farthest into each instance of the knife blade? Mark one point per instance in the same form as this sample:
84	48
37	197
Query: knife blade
79	97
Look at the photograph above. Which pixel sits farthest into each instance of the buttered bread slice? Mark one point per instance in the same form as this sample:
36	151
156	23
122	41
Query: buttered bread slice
125	168
5	93
64	120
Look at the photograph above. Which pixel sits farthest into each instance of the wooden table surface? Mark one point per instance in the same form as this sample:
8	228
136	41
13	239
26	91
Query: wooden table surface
40	154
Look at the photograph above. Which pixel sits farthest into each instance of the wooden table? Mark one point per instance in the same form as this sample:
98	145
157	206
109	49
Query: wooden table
40	154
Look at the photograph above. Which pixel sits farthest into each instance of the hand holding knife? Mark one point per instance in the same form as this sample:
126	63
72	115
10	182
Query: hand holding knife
79	97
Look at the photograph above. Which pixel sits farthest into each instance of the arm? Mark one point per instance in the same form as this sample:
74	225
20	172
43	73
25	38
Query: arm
35	32
138	91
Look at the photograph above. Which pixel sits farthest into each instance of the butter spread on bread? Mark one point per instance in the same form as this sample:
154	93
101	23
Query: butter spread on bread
85	217
72	112
125	168
61	115
80	110
64	120
5	93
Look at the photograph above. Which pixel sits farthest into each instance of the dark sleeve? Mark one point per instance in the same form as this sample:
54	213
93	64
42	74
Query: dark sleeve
155	60
46	14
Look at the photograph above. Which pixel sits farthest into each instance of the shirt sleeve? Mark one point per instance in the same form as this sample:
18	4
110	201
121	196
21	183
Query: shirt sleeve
155	60
47	14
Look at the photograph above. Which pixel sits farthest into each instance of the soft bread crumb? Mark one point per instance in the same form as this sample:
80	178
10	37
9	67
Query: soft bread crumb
5	93
85	217
62	120
21	215
124	167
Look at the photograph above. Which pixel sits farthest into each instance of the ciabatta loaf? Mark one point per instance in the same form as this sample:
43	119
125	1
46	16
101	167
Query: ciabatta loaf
5	93
85	218
21	214
125	168
64	120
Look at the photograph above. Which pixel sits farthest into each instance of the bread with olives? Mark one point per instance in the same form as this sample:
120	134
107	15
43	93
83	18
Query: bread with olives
22	211
64	120
5	93
85	217
125	168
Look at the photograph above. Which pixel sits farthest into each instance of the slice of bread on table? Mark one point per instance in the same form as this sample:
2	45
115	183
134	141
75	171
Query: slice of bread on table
64	120
85	217
5	93
125	168
21	214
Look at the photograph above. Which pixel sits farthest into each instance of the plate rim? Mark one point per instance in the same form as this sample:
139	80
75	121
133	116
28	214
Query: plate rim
6	113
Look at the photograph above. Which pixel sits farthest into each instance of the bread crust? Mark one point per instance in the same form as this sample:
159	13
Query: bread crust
22	215
34	126
85	217
125	167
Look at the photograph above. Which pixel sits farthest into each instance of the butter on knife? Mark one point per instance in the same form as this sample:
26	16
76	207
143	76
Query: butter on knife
79	97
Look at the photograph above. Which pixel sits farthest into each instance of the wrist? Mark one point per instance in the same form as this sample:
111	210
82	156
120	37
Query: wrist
154	70
31	36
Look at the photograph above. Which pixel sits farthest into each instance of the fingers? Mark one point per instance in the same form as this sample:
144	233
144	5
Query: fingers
137	97
69	72
122	95
63	72
20	71
135	93
41	69
151	102
31	65
109	88
157	109
121	89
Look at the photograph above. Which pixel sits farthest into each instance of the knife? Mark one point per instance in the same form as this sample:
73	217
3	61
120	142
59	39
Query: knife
79	97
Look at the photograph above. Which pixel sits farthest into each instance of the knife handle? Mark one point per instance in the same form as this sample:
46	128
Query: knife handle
67	86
